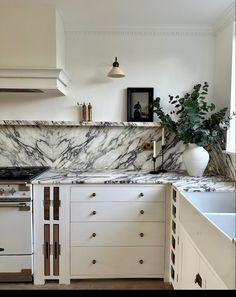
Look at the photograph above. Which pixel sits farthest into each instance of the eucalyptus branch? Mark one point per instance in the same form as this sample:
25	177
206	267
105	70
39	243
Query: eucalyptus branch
193	124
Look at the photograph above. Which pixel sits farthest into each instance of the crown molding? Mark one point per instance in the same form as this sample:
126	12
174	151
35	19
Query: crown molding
144	31
226	17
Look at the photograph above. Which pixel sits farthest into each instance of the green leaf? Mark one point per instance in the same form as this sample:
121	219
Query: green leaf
191	122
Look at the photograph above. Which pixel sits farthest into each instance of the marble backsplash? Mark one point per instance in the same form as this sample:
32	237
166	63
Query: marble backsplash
95	147
221	163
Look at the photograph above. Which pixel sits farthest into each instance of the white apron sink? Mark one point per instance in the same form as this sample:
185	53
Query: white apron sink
210	219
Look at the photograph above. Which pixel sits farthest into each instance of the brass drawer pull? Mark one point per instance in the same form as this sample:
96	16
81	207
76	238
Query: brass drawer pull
141	211
94	261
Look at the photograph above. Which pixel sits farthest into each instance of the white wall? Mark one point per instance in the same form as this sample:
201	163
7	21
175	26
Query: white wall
171	62
223	66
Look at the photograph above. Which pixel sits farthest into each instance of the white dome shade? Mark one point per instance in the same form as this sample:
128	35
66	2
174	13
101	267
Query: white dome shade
116	72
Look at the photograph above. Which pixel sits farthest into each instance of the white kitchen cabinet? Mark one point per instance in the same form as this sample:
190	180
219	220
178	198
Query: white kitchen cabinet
188	267
195	272
188	264
99	231
51	233
117	231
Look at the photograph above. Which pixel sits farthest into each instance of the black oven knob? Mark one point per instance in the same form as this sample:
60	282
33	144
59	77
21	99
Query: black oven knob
12	191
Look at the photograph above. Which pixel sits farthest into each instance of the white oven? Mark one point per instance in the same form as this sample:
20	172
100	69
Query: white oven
16	228
16	248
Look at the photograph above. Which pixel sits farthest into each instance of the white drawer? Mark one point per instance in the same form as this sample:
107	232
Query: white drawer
118	193
117	261
117	211
117	234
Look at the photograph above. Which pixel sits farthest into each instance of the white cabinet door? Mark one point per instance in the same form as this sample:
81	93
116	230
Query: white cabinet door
15	229
210	280
189	263
195	272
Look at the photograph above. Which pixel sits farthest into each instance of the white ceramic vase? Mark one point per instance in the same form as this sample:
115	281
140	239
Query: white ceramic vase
195	159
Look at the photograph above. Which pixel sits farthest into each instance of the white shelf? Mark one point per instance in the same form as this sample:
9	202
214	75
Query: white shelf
77	124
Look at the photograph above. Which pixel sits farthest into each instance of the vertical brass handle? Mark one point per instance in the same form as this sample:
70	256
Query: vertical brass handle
141	234
94	234
141	261
94	212
94	261
142	211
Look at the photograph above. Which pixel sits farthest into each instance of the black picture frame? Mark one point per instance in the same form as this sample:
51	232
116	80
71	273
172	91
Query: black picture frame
140	104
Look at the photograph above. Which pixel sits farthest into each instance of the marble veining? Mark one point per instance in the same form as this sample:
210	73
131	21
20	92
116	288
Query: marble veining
221	163
84	147
77	124
180	180
96	145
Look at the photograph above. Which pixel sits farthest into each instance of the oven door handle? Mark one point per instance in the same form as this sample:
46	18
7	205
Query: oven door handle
21	206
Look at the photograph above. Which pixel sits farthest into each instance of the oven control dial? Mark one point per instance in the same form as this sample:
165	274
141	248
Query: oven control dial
12	191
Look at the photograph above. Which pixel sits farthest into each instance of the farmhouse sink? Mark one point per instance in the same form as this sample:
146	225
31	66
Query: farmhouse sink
213	202
225	222
209	218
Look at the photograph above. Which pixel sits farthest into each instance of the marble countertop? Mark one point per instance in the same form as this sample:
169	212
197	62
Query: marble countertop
77	124
181	181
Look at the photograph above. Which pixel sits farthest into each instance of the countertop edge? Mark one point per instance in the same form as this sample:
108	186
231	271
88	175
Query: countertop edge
181	182
78	124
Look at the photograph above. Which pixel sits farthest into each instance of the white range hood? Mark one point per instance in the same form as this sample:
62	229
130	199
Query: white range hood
20	80
32	51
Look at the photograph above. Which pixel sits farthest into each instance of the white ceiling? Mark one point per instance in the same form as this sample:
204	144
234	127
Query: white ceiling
136	13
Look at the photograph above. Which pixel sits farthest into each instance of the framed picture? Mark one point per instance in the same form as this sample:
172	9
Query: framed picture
140	104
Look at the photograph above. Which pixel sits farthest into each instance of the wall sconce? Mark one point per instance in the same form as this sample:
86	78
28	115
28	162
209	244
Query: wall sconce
116	72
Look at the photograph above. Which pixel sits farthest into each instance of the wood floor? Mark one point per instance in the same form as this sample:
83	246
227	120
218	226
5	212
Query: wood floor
97	284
